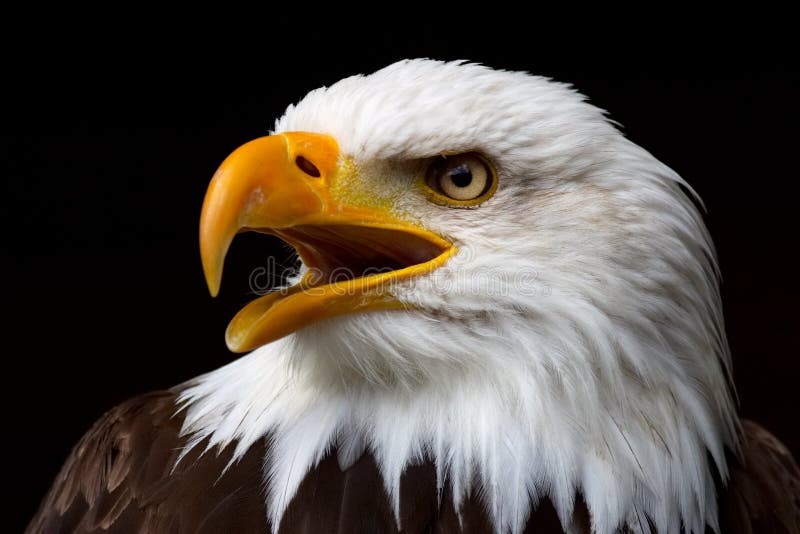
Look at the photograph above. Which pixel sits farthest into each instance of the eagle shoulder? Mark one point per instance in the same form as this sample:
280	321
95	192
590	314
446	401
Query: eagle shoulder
124	476
763	493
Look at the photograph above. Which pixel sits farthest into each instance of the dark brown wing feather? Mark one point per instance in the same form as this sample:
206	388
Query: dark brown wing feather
122	477
763	493
355	501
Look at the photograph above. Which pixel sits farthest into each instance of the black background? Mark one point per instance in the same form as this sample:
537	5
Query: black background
110	138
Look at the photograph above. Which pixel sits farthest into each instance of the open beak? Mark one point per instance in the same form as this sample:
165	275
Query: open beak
282	185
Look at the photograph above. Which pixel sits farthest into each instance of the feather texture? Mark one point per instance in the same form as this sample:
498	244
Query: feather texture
574	344
124	476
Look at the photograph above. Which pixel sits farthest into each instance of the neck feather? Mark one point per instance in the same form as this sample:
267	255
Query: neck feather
520	432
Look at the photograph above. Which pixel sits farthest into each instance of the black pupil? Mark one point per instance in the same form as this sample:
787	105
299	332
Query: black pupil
461	175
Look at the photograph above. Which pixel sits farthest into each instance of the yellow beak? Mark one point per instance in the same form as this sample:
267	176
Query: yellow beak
282	185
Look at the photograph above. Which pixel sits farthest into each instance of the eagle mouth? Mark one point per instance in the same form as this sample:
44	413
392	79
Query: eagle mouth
355	253
351	267
346	252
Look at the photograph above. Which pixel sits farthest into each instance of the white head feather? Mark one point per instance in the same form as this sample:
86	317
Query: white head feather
574	344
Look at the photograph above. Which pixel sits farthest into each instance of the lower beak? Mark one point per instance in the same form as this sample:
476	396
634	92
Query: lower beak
281	185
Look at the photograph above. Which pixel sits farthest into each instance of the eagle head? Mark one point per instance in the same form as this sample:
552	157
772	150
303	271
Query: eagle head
493	277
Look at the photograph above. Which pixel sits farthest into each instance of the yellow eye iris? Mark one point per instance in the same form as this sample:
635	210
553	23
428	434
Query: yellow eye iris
460	180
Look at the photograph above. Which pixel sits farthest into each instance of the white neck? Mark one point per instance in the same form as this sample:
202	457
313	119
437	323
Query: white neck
525	434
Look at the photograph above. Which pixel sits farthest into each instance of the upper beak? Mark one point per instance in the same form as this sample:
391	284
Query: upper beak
271	182
281	184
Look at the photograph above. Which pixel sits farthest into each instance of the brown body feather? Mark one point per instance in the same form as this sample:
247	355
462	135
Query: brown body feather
122	477
763	493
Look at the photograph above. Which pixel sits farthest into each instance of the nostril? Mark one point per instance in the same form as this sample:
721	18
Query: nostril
307	167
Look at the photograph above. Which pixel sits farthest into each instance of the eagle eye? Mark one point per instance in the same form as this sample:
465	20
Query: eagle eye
460	180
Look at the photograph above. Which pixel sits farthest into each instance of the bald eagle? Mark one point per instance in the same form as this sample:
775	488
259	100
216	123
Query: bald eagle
507	319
